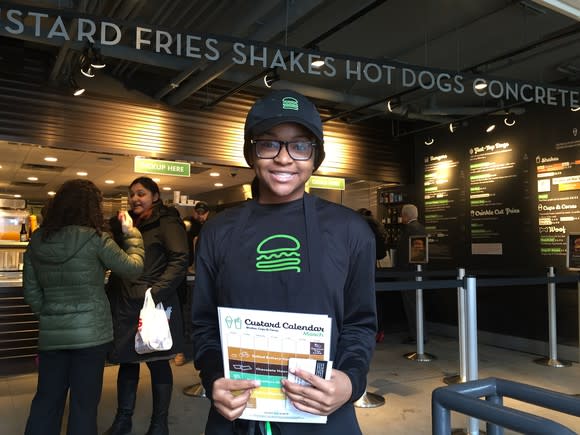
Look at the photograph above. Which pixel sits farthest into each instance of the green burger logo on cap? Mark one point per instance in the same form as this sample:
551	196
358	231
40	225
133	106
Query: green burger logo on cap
289	103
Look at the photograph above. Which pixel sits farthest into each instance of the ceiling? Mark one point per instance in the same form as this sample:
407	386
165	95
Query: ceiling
521	41
21	161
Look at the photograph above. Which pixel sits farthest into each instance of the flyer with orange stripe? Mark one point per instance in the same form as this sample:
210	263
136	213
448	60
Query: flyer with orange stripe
257	345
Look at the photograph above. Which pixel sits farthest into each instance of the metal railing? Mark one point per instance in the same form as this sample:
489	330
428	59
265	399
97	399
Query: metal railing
465	398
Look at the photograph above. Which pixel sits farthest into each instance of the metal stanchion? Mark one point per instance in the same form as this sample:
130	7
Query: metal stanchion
461	327
552	359
369	400
471	360
471	342
195	390
420	355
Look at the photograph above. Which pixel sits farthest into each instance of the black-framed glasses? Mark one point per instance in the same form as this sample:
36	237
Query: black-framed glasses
297	150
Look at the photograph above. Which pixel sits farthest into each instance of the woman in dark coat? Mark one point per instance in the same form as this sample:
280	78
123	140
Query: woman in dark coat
166	259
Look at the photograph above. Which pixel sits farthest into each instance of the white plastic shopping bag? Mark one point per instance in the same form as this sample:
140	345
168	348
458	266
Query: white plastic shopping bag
153	333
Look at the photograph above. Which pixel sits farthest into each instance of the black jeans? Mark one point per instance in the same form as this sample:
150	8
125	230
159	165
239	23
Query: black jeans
77	370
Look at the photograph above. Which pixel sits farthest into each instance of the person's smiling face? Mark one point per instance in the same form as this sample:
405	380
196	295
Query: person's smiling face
283	179
141	199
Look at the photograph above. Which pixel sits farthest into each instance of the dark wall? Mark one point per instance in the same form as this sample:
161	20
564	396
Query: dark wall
482	179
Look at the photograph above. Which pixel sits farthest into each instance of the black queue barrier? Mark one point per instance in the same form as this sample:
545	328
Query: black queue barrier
469	315
391	281
372	400
550	280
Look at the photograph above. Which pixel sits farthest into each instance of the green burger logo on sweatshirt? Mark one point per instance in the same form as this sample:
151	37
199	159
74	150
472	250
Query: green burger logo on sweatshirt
277	253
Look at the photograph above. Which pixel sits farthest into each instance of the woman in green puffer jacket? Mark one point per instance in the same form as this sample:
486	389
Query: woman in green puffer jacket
63	280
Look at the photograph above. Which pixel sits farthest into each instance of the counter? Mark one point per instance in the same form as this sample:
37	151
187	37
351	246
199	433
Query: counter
10	279
18	325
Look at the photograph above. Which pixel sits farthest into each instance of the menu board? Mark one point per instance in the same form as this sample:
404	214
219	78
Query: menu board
558	181
443	202
495	192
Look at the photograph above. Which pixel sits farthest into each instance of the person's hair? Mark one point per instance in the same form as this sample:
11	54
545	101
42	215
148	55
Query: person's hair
255	188
364	212
77	202
44	209
148	184
409	211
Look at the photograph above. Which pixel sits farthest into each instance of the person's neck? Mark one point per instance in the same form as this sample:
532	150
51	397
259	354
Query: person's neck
272	200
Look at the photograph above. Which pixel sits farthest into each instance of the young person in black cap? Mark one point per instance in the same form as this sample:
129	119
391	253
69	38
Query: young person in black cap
194	223
335	275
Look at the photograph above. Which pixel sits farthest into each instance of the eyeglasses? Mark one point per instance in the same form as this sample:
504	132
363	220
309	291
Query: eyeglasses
269	149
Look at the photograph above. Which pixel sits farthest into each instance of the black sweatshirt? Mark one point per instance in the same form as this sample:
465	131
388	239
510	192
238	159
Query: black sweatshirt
328	268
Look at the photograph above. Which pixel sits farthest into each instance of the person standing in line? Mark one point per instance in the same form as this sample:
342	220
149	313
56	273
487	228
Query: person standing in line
412	227
166	256
335	276
64	284
193	225
381	252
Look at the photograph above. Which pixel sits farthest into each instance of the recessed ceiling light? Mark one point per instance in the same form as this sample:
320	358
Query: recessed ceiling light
82	173
32	178
51	193
50	159
17	195
480	85
109	181
510	121
490	128
429	141
166	188
575	109
218	184
157	180
214	174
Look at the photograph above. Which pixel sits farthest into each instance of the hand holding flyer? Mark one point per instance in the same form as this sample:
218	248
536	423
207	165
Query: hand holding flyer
260	345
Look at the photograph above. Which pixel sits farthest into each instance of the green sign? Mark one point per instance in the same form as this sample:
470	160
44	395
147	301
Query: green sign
332	183
162	167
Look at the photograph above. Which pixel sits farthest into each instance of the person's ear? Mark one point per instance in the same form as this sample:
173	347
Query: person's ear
155	197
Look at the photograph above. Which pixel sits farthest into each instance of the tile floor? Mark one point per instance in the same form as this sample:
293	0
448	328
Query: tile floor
406	386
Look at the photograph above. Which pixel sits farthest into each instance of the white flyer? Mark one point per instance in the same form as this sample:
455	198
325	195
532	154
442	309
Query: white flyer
257	345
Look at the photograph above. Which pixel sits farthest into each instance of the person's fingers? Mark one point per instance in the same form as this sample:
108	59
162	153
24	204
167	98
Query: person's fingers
231	407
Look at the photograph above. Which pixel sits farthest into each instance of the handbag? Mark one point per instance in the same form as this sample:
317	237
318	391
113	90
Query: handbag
153	333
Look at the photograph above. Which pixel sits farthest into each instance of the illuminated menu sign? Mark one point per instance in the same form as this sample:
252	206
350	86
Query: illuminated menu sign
442	202
558	178
494	187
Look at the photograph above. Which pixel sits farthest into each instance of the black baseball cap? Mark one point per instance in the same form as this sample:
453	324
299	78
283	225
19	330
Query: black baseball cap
282	106
201	206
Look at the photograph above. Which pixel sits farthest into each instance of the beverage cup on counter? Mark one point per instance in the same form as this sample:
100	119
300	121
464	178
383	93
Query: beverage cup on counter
176	196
